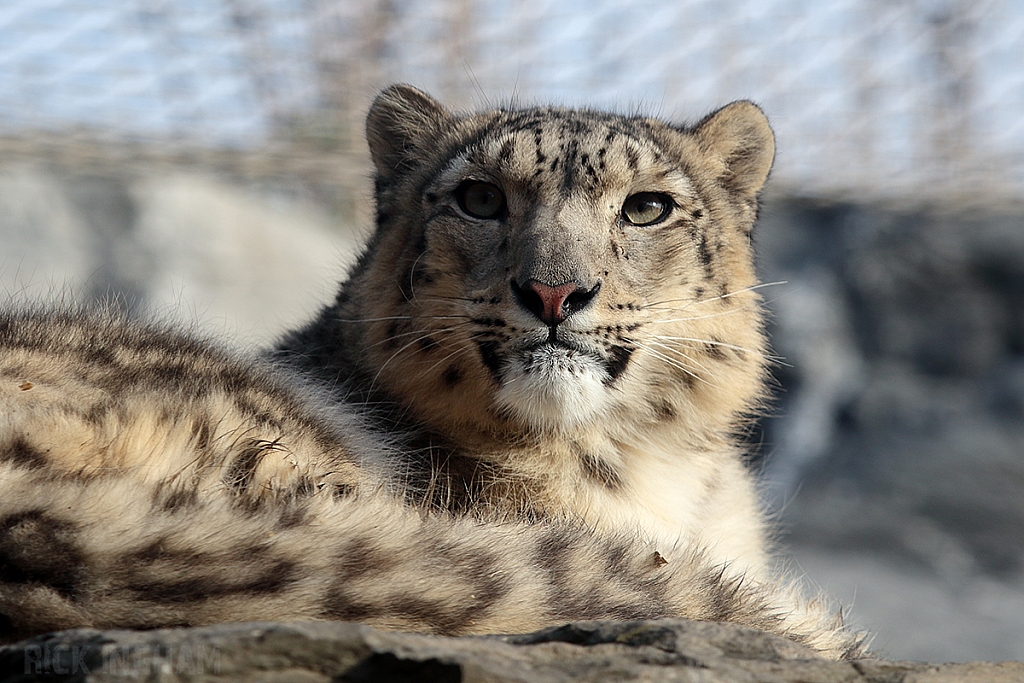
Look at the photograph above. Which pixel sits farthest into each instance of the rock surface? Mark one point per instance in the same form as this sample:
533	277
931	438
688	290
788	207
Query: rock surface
668	650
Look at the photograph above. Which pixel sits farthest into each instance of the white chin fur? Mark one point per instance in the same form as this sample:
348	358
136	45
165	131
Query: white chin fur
553	389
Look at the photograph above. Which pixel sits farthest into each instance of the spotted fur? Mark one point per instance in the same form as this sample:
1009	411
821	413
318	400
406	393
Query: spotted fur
500	424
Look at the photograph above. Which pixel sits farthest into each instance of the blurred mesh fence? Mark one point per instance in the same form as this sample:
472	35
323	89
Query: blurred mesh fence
871	99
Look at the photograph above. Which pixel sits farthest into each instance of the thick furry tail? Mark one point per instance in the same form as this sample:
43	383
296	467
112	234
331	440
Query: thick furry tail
108	552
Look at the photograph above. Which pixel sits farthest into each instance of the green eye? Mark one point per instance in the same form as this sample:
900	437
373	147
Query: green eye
646	208
480	200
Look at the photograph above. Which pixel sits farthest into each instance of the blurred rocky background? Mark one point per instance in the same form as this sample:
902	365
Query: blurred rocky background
896	454
203	160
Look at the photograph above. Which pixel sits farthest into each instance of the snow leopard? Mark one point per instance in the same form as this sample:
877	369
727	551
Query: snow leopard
521	409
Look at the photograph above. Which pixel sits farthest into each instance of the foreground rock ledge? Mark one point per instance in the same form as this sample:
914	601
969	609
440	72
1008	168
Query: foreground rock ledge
666	650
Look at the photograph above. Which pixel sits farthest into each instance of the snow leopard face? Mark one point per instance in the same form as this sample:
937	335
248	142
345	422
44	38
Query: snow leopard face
561	267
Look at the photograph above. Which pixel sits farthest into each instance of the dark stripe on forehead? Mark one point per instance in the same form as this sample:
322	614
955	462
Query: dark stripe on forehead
538	133
632	157
569	167
569	121
505	153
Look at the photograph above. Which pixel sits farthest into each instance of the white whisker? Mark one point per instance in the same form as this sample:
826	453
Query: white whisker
412	283
678	352
691	301
437	330
674	363
697	342
731	311
402	317
460	350
710	342
373	382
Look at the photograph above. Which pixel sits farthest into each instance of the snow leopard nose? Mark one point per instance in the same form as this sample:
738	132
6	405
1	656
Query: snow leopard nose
553	304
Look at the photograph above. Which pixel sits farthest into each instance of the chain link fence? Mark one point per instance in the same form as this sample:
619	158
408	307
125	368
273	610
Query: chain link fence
914	100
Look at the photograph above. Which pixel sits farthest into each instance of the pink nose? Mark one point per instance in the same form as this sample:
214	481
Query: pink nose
552	300
553	304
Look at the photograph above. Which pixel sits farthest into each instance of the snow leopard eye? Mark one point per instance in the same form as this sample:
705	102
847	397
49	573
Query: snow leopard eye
481	200
646	208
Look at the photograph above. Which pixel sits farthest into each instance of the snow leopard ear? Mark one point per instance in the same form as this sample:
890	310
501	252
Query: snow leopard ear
401	120
740	146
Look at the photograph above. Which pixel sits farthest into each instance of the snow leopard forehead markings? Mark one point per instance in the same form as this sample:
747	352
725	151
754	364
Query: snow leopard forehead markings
570	150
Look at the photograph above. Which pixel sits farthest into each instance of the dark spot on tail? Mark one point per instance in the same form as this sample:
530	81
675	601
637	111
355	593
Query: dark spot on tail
177	499
292	516
340	605
551	553
439	617
477	570
37	549
357	557
22	454
240	473
626	596
161	573
195	586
